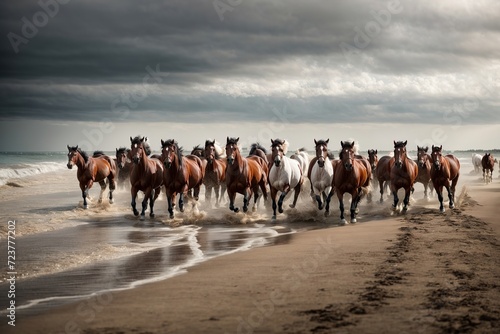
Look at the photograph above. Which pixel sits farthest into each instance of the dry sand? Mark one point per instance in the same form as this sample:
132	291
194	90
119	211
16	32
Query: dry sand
423	272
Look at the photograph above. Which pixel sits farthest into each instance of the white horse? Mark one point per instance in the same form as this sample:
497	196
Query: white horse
285	174
302	157
476	162
321	174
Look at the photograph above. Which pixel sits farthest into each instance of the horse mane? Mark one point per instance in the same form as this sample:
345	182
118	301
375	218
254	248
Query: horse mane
321	142
145	144
97	154
399	144
256	146
282	142
84	154
197	148
123	150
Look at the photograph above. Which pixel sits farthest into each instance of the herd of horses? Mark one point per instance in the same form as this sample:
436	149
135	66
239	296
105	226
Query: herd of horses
261	172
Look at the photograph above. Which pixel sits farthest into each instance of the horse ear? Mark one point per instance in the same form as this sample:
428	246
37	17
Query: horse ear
433	147
327	140
131	140
76	148
162	142
69	148
315	142
145	138
376	151
406	141
341	144
237	140
441	147
272	142
116	150
426	149
227	140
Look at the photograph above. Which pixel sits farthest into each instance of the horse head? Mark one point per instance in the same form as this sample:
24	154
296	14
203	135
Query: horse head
400	153
138	146
278	151
437	156
169	152
321	151
232	149
72	156
210	153
373	159
347	154
422	155
122	157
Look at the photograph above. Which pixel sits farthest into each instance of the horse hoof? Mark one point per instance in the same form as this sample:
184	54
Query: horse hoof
136	213
356	211
452	206
442	210
99	201
405	208
85	206
292	206
151	215
245	209
327	213
343	222
142	217
353	221
273	218
236	210
280	210
111	201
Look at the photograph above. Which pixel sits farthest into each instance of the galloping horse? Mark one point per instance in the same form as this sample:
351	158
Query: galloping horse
302	157
424	169
383	174
124	165
445	169
257	149
146	175
215	172
285	174
477	162
352	175
244	175
181	173
97	168
373	159
488	163
321	174
404	172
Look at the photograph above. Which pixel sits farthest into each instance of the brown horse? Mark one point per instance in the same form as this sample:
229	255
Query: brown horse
244	175
424	169
181	174
215	172
445	169
352	175
383	174
488	163
146	175
97	168
257	149
404	172
124	164
198	151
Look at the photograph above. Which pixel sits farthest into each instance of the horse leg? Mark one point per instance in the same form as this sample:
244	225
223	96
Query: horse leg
170	201
112	187
296	193
147	195
232	196
381	186
406	200
355	198
217	194
274	191
103	188
208	194
439	192
133	191
285	192
341	207
181	201
152	200
320	203
396	199
327	202
84	195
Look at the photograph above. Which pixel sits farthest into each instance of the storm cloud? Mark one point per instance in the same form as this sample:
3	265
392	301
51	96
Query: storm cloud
324	61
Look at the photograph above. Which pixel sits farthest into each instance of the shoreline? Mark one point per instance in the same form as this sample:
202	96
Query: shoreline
419	272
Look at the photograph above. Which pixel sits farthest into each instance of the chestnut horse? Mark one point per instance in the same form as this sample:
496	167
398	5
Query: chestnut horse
124	164
383	174
352	175
404	172
215	172
181	173
146	175
424	169
260	151
445	169
244	175
320	175
97	168
487	163
285	175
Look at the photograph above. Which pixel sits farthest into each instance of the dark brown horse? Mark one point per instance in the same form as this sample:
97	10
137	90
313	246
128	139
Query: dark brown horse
260	151
146	175
445	169
244	175
352	175
215	172
404	172
383	174
124	164
424	169
488	163
181	173
198	151
97	168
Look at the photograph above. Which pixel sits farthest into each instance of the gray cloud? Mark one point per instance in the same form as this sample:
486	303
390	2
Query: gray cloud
426	60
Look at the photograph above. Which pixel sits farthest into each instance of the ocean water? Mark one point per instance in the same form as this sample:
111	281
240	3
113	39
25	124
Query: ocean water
65	253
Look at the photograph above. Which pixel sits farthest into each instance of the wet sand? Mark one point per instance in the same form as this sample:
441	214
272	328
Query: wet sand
423	272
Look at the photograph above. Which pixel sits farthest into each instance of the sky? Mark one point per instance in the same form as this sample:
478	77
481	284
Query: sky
81	72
